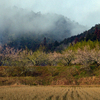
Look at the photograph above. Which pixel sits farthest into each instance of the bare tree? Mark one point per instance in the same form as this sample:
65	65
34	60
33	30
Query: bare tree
8	55
67	57
54	58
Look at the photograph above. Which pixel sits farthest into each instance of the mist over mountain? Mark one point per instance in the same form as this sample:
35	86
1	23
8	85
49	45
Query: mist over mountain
16	22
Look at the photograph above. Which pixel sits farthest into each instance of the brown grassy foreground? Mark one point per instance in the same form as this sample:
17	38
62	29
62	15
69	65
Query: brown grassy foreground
49	93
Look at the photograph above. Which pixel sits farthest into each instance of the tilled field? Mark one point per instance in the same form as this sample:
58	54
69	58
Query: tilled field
49	93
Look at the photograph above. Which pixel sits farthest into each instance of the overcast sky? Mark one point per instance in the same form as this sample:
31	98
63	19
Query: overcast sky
85	12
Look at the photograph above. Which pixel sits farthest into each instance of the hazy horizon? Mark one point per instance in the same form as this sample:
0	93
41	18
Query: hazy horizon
61	19
84	12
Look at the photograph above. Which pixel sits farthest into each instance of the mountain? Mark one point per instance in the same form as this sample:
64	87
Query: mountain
91	34
21	28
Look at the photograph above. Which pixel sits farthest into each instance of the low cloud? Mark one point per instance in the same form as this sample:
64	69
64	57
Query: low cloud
15	21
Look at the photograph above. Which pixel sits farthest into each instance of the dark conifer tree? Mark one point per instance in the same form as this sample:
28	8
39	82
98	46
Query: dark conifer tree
44	41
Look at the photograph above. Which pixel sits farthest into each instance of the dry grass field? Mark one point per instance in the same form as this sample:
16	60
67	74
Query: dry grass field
49	93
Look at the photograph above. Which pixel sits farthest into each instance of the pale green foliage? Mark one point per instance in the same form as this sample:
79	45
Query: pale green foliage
38	58
82	44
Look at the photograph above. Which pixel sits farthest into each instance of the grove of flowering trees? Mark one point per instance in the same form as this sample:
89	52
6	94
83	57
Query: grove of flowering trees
85	56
